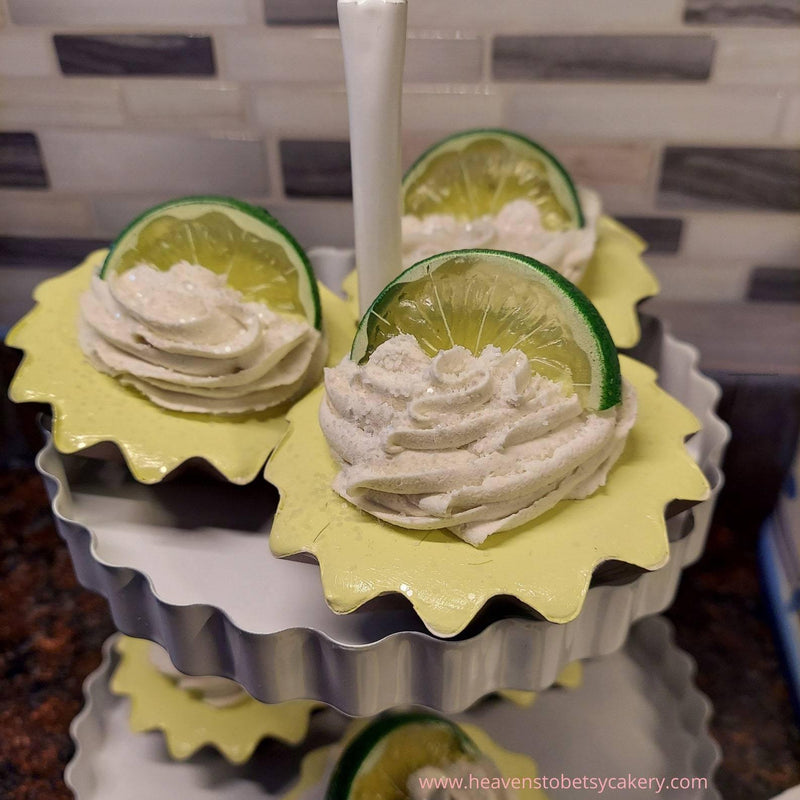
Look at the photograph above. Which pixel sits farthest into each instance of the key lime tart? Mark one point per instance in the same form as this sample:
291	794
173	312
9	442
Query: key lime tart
492	188
187	340
483	438
193	712
417	755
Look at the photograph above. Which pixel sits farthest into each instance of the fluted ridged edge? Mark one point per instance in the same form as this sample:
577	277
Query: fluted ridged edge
405	667
653	646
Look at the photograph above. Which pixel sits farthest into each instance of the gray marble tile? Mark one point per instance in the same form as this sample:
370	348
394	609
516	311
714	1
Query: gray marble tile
300	12
135	54
21	163
742	12
662	234
775	284
315	168
730	177
628	58
25	251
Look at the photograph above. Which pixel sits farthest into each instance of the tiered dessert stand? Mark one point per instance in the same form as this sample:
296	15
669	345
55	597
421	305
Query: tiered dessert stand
186	563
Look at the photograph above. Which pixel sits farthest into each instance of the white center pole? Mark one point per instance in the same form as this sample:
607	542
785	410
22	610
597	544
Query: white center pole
374	43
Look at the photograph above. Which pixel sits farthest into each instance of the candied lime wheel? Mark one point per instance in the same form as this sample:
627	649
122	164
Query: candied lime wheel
251	248
475	173
476	298
378	762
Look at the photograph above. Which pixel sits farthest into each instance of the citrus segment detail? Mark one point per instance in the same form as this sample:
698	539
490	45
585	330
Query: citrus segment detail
476	298
380	759
258	257
478	172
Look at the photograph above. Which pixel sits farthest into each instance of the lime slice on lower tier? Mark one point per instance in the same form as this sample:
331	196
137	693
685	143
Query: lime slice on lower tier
380	759
476	298
474	173
256	254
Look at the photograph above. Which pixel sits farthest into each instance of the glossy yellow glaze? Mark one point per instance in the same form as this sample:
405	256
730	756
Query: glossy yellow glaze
90	407
189	723
547	564
616	280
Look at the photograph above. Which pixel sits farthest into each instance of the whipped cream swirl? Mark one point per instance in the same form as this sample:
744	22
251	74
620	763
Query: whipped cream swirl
217	692
474	444
517	228
461	780
188	342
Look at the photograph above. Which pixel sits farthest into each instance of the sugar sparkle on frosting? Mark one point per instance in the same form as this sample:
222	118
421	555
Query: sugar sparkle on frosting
475	444
189	342
517	228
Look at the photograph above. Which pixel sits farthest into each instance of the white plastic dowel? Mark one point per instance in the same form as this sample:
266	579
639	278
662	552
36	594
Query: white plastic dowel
374	40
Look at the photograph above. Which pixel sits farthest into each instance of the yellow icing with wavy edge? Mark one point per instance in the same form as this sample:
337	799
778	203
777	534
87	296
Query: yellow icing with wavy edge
189	723
317	766
547	564
615	280
89	407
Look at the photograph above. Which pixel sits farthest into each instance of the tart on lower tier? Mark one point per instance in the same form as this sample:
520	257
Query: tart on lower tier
195	712
171	360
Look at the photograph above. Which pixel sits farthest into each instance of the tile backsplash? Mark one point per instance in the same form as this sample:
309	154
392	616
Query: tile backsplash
684	114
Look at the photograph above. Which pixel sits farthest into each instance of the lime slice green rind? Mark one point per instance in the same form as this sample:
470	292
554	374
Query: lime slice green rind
259	256
363	747
416	303
559	179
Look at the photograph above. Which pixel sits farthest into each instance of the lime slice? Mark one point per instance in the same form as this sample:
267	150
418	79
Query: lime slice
478	172
475	298
256	254
380	759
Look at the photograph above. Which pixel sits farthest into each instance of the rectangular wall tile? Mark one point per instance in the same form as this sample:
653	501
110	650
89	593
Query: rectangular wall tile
63	252
21	162
603	163
113	212
721	114
451	110
790	125
135	54
316	223
121	161
26	53
743	12
597	58
315	168
662	234
765	57
179	101
300	12
289	55
755	237
437	58
43	214
775	284
89	13
302	112
315	55
730	177
721	281
55	101
535	16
